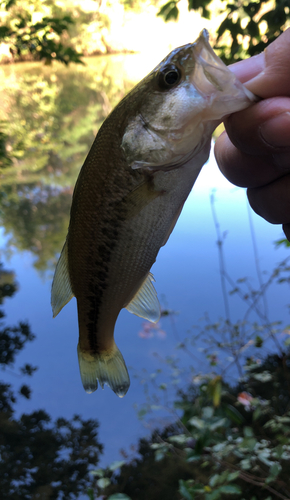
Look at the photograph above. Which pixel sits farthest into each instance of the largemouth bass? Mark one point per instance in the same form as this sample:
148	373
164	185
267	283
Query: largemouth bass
129	195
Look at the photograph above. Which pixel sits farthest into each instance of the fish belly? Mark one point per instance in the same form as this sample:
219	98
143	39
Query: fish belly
117	267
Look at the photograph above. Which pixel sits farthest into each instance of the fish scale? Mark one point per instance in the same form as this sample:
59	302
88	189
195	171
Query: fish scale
129	195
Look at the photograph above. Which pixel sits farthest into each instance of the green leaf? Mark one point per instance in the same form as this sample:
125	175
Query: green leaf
283	241
90	493
97	472
179	439
9	3
248	431
5	31
248	444
263	377
119	496
197	422
207	412
258	341
172	14
103	482
184	491
141	413
273	473
117	464
169	10
264	457
283	419
233	414
246	464
278	451
220	423
233	476
257	413
159	455
214	480
213	495
230	489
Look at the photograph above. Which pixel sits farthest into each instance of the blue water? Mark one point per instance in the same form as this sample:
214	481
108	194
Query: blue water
187	281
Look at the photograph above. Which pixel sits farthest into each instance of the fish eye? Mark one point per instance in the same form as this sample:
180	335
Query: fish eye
169	77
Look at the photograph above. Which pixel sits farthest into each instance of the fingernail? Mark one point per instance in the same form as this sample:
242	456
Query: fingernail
276	131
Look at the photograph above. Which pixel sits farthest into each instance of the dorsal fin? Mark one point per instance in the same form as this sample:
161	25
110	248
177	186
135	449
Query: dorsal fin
61	291
145	302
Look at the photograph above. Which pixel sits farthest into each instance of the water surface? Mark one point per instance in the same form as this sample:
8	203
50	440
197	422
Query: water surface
53	115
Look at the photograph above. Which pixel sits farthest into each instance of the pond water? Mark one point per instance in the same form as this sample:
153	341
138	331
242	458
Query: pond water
53	115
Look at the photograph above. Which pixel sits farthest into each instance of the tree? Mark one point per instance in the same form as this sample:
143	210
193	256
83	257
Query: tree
247	27
53	118
39	458
42	40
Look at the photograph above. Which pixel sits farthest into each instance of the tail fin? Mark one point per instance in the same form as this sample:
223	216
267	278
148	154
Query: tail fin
108	367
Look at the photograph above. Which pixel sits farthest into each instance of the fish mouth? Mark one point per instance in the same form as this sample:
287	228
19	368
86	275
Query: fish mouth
211	77
223	93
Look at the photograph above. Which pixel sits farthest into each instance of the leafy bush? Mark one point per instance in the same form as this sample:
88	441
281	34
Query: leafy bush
227	440
42	40
247	27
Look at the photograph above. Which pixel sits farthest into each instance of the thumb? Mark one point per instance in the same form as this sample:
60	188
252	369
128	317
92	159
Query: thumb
267	74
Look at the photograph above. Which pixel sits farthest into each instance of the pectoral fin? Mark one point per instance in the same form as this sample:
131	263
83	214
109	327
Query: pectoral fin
145	302
61	291
140	197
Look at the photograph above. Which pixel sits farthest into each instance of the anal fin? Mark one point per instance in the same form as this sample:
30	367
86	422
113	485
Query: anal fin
145	302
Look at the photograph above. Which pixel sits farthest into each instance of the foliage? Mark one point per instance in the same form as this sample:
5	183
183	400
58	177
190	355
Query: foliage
54	116
282	242
247	28
36	219
252	26
38	458
226	440
5	159
170	10
42	40
49	109
64	30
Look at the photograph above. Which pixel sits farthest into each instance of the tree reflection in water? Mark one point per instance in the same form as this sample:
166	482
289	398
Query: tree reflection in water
39	458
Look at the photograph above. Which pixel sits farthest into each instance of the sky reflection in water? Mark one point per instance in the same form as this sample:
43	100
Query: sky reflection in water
187	281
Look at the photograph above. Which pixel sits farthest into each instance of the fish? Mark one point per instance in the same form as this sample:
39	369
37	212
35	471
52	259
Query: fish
129	194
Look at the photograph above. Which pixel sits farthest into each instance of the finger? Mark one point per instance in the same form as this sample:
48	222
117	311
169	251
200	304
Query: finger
286	229
267	74
260	152
272	202
240	168
247	69
263	128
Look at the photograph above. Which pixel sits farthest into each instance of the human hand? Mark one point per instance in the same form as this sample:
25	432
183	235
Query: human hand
254	152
